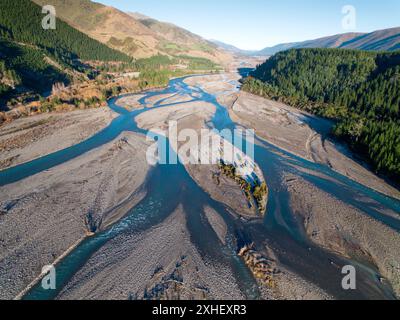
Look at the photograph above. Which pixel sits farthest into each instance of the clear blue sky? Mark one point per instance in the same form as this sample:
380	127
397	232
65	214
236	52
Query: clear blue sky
255	24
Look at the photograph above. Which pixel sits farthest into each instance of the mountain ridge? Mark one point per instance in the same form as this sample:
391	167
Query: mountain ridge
379	40
231	48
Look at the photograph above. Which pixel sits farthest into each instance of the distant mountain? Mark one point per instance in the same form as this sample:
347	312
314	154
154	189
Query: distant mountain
231	48
134	34
270	51
388	40
382	40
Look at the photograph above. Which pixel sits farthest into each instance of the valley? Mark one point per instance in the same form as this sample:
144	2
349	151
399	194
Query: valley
145	162
138	203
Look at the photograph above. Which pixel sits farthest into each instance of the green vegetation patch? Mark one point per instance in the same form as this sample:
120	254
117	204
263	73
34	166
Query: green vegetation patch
195	63
257	192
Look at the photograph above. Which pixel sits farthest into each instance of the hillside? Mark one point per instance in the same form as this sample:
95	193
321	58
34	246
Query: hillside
359	89
382	40
134	34
32	58
177	40
107	25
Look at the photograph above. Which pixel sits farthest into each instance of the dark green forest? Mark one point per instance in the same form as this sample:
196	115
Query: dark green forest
360	90
28	65
24	46
21	21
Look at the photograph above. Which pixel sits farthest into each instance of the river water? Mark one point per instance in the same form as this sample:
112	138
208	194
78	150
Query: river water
279	229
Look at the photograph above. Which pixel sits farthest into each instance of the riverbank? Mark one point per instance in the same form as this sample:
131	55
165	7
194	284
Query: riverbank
26	139
344	229
160	263
50	211
298	133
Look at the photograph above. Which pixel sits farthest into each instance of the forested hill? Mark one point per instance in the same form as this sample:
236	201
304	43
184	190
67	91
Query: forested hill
32	58
360	89
21	20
